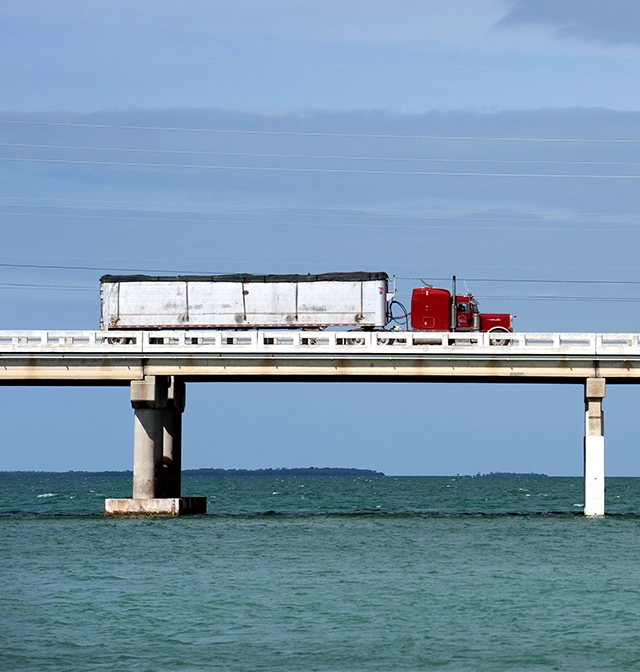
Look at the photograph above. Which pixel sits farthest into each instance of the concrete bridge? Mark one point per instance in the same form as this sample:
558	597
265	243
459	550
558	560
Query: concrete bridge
158	364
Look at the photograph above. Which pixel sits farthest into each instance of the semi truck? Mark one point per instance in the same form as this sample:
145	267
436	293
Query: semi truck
358	300
434	309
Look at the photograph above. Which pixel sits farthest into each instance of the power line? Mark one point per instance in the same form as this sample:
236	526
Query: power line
85	288
591	299
529	281
287	262
275	155
321	134
111	269
66	288
282	169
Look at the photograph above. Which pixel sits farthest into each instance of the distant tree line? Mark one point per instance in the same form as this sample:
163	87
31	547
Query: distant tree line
296	471
513	474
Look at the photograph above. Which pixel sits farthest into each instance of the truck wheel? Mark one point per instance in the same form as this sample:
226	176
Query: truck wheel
499	341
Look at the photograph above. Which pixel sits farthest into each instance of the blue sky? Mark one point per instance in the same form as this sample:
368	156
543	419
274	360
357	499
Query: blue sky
497	140
405	56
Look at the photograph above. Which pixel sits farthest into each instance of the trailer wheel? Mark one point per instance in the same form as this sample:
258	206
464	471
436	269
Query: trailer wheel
499	341
354	340
119	340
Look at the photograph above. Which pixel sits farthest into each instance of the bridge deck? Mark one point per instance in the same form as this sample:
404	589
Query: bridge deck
99	357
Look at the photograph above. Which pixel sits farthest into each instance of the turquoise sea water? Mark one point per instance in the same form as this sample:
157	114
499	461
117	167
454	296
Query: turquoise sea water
320	573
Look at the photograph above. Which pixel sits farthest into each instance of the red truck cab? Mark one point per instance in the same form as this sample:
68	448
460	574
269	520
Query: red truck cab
432	309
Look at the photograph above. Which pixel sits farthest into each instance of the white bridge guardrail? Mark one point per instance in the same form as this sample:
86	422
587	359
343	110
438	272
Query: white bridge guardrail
309	343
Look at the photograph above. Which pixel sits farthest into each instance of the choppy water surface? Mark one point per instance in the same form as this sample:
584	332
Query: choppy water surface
320	573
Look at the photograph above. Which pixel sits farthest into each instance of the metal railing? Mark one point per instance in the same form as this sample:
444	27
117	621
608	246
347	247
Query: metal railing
150	343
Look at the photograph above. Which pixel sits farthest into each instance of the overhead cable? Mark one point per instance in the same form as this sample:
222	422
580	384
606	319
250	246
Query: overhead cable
283	169
323	134
323	157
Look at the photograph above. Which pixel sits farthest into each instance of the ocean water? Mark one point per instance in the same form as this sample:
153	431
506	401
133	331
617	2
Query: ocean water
296	573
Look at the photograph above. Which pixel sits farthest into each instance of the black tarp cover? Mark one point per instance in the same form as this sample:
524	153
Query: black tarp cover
356	276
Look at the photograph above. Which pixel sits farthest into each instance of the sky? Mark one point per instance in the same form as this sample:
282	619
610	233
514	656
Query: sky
496	140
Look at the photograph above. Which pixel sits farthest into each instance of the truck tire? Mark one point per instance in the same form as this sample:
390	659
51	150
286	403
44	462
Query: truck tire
499	341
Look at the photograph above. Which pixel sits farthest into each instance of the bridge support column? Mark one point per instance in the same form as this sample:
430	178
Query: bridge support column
172	439
594	393
158	403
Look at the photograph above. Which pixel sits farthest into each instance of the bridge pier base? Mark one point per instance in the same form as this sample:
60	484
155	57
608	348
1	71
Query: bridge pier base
594	447
158	404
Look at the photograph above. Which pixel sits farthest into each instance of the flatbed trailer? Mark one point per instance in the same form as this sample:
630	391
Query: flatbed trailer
244	301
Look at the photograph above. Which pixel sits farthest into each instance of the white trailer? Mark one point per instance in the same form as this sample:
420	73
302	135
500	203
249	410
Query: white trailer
244	301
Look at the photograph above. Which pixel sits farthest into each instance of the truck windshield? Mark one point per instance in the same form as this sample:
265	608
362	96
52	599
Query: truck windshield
475	307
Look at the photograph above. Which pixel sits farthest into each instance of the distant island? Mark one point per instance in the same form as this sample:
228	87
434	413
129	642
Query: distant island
296	471
513	474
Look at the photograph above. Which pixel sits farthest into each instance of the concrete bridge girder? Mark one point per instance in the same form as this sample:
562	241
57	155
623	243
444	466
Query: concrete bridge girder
69	370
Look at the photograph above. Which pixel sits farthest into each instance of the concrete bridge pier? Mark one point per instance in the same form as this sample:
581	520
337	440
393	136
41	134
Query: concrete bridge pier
158	403
172	439
594	393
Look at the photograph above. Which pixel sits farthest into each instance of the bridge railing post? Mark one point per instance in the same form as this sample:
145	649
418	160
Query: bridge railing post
594	393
